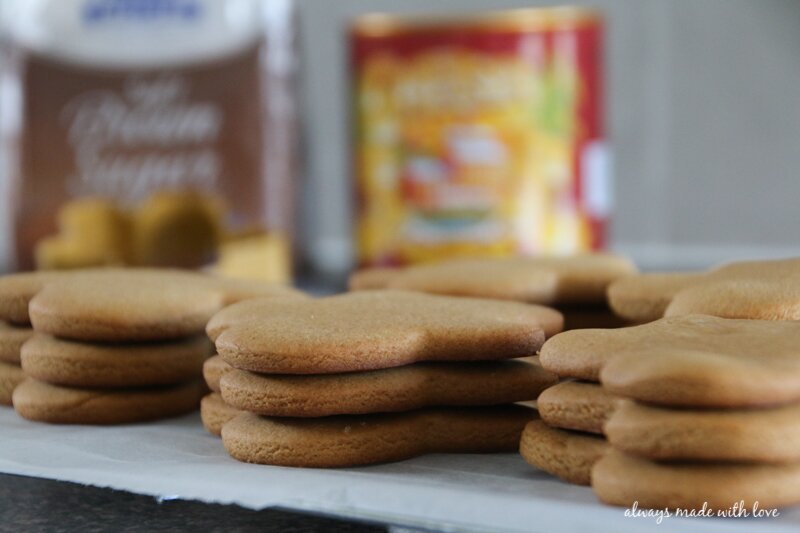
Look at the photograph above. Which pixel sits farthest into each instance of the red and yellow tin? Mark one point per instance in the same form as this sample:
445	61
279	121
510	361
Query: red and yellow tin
478	136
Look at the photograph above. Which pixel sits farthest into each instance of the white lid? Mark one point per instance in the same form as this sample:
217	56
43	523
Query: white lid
133	33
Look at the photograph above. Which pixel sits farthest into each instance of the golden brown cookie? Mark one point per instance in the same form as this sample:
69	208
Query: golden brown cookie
576	405
696	341
542	280
580	354
757	298
124	305
16	290
568	455
704	361
42	402
11	340
620	479
121	305
215	413
10	376
340	441
80	364
759	290
213	370
387	390
644	297
370	330
768	435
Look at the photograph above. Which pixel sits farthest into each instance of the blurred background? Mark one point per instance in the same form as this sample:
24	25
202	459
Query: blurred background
701	110
703	115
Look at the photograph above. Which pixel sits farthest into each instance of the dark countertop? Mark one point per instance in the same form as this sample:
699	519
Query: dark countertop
33	504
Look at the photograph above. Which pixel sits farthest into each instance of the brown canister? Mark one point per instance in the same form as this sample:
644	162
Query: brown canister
145	133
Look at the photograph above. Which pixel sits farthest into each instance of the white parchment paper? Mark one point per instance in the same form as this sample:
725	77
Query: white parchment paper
178	459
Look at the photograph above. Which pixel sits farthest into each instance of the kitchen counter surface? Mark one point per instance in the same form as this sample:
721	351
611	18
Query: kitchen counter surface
34	504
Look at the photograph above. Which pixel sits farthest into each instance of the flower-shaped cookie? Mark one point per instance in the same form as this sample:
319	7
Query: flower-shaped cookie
375	329
764	290
579	279
118	304
691	361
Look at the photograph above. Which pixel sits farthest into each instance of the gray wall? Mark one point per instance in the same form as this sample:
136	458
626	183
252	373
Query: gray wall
703	111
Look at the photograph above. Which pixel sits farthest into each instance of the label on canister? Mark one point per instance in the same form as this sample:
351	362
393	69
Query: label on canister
480	136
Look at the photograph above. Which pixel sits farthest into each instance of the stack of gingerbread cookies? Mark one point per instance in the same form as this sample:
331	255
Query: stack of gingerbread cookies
576	286
716	405
568	439
375	376
699	411
214	412
707	404
12	337
115	345
15	328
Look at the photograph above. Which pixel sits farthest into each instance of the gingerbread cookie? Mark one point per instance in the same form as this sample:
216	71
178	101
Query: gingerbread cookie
123	305
576	405
644	297
10	376
215	413
770	435
696	341
213	370
11	340
80	364
387	390
759	290
42	402
567	455
340	441
543	280
704	361
370	330
16	291
619	479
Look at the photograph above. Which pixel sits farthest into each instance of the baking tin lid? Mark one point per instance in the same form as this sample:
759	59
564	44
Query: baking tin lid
515	20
